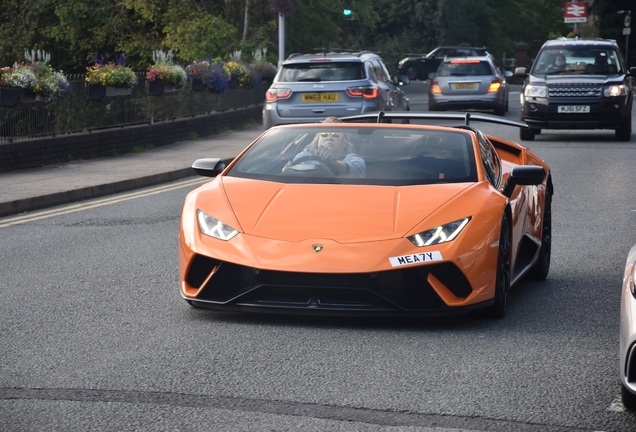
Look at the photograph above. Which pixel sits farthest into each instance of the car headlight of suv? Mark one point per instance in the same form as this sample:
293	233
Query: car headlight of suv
441	234
536	91
214	228
614	90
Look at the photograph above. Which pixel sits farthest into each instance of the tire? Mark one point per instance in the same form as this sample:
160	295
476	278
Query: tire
628	398
624	133
502	282
541	268
500	110
411	71
526	134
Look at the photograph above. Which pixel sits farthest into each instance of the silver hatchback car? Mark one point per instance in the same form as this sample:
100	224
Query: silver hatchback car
468	83
310	87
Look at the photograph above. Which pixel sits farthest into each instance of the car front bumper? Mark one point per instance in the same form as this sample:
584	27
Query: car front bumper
487	101
606	113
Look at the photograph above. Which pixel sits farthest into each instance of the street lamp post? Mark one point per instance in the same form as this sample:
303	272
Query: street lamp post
627	29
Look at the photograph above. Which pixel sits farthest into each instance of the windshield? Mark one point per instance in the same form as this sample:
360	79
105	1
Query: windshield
360	155
578	60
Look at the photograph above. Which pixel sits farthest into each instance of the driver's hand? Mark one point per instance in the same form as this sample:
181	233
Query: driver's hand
326	154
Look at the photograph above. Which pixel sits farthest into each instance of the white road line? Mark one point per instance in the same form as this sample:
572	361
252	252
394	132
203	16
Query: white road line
31	217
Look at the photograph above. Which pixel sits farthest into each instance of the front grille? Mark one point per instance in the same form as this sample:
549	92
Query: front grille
395	290
578	90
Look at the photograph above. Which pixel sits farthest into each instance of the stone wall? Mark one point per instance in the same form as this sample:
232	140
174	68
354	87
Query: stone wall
110	142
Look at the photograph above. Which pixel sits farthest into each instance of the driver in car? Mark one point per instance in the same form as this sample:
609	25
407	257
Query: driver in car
333	150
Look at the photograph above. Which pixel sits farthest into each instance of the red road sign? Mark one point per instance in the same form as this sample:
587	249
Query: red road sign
575	12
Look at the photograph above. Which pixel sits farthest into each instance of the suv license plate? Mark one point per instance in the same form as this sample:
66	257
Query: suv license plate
320	97
573	109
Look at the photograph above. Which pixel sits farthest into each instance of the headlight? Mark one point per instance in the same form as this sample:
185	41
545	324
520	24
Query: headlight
214	227
614	90
441	234
534	90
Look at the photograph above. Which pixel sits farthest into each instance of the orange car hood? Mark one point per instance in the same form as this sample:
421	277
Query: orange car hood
343	213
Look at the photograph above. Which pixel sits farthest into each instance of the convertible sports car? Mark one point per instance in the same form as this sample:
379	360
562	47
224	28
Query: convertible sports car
628	333
408	220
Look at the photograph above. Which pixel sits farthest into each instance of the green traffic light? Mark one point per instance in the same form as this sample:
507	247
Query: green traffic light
347	12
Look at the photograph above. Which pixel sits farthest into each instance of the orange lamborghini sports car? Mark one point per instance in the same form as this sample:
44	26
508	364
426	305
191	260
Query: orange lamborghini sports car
368	216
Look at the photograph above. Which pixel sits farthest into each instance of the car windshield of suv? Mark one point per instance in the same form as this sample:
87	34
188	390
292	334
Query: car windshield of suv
322	71
578	60
391	156
464	68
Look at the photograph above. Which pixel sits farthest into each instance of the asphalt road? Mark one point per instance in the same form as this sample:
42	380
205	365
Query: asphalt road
95	336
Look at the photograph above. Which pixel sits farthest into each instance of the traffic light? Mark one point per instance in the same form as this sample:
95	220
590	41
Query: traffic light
348	14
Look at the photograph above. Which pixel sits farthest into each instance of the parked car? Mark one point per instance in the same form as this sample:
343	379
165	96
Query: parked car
402	220
420	67
627	339
468	83
311	87
591	89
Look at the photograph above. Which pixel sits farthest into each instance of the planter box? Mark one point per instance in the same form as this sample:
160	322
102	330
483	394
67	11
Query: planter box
197	85
97	92
117	91
11	97
157	88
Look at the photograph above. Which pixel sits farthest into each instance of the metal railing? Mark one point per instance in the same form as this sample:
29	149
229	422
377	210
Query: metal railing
75	113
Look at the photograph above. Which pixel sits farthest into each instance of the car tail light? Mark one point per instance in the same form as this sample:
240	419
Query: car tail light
274	94
365	92
494	86
435	88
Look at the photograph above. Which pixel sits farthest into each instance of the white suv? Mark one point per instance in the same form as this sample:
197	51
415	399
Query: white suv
311	87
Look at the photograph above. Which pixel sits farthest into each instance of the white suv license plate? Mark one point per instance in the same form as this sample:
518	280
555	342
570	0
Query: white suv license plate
573	109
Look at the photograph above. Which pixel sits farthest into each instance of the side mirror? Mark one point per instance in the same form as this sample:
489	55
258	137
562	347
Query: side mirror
632	71
530	175
208	167
521	71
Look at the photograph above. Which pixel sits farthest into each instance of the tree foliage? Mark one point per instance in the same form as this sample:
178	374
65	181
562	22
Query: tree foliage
73	31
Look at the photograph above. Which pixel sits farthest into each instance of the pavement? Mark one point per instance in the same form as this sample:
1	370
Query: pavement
33	189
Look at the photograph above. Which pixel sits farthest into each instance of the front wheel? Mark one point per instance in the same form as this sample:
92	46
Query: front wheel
411	71
541	268
624	133
502	282
628	398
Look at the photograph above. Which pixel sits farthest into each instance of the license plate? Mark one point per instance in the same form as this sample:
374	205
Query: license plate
465	85
320	97
573	109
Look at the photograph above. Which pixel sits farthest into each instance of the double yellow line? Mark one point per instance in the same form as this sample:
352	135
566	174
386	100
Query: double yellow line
31	217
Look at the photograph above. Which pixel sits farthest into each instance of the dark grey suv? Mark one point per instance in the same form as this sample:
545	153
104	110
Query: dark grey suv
577	84
311	87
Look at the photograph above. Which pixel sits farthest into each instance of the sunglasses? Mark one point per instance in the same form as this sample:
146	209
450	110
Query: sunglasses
335	135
